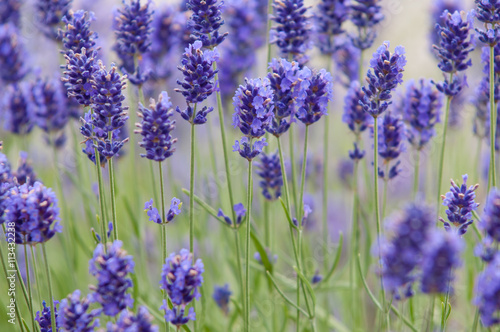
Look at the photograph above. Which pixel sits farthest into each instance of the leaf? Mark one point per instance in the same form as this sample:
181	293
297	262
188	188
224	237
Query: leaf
336	260
287	213
284	296
207	208
263	254
366	286
308	286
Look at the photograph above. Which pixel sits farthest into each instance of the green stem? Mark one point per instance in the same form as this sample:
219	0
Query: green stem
441	158
415	176
444	313
240	271
163	229
49	282
247	245
375	196
386	184
303	178
354	239
35	272
5	270
191	190
493	122
293	171
113	199
153	181
269	24
28	281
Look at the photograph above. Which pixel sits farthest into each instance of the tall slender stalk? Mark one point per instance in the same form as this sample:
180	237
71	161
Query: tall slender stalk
247	245
441	158
163	230
28	281
49	282
493	122
293	172
113	199
303	176
191	189
240	272
5	270
416	175
269	24
35	272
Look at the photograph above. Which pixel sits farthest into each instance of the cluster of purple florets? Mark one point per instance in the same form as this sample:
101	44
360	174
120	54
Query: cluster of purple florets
239	212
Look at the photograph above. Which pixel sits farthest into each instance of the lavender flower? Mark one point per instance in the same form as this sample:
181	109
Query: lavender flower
421	107
77	34
453	50
460	203
346	58
391	135
404	252
272	258
488	293
269	170
239	211
128	322
33	212
481	103
288	83
180	278
24	173
365	15
18	109
13	56
51	111
354	116
111	269
441	256
206	21
49	15
10	12
44	318
357	154
490	222
316	97
198	83
156	127
74	315
329	17
79	70
345	170
292	30
437	9
221	296
152	212
488	12
387	74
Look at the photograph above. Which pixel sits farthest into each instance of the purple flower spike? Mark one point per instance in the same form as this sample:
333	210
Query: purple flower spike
111	269
316	97
248	151
206	21
127	321
175	209
18	109
221	296
74	314
269	169
80	67
13	56
240	212
365	15
391	135
354	116
10	12
156	128
152	212
387	74
49	15
490	222
329	17
488	293
460	203
488	12
77	34
44	318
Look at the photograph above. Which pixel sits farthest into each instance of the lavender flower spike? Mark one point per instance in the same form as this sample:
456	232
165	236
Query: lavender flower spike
128	322
316	97
488	12
240	212
206	21
74	315
490	222
77	34
18	109
156	128
269	170
79	70
221	296
387	74
354	116
44	319
12	55
49	15
488	293
330	16
460	203
365	15
391	135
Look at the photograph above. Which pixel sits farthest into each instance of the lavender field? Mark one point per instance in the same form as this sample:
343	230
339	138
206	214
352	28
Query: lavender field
249	165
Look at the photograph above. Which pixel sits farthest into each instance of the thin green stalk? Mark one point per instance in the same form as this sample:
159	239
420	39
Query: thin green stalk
240	270
384	198
477	159
5	270
269	24
247	245
444	313
49	282
153	180
293	171
354	238
28	281
35	272
430	320
375	196
163	230
191	190
493	122
415	176
113	199
441	158
303	177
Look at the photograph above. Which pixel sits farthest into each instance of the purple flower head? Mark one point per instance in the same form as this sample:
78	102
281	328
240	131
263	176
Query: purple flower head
387	74
49	15
460	203
13	56
441	256
152	212
77	34
346	58
248	151
10	12
111	270
421	107
44	318
354	115
288	82
488	12
206	21
199	118
391	136
329	17
33	211
180	278
404	252
127	321
490	222
239	211
156	127
79	70
74	314
174	210
455	44
438	7
272	258
18	109
365	15
345	170
221	296
316	97
292	30
488	292
316	278
198	83
269	169
357	154
132	25
253	107
24	173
